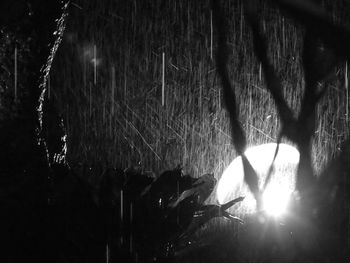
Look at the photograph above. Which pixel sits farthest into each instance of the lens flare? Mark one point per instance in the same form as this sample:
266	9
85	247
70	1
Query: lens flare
280	187
275	200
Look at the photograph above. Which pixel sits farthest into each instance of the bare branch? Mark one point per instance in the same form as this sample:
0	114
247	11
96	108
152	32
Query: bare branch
238	135
273	82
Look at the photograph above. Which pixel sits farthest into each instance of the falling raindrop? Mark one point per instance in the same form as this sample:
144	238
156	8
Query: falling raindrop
107	253
95	66
347	92
15	70
211	35
260	72
121	215
163	78
131	237
48	86
90	100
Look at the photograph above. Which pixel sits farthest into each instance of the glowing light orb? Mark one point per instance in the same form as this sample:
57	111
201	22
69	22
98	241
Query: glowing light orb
275	200
277	193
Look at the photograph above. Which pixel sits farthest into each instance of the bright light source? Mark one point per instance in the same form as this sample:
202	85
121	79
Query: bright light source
277	193
275	200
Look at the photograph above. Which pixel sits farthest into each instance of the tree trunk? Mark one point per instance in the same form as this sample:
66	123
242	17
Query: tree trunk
30	32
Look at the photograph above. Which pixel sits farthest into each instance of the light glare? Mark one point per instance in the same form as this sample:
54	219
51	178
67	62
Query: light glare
275	200
278	191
